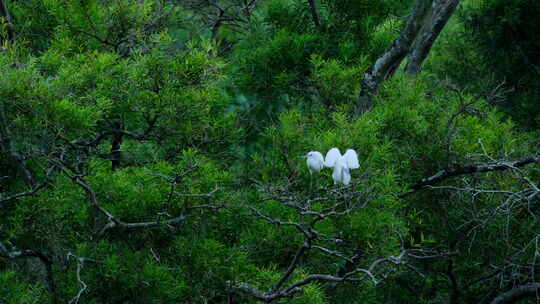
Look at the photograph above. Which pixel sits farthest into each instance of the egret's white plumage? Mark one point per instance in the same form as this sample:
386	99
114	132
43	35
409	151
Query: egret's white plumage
331	157
351	158
341	172
341	164
315	161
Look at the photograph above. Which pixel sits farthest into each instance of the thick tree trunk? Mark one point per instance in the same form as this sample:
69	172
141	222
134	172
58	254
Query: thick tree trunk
433	25
421	30
315	14
4	14
518	293
388	62
455	294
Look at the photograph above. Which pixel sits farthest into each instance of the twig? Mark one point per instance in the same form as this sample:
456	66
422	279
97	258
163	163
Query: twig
80	264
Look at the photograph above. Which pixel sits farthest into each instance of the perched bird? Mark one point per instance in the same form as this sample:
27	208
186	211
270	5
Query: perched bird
315	161
342	164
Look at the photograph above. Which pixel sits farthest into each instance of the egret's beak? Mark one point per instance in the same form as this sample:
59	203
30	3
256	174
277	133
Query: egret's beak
303	156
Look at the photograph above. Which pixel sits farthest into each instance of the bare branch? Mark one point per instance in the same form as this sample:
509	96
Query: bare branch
272	221
341	202
275	293
518	293
209	194
497	165
114	222
80	264
47	263
432	27
332	252
292	266
34	188
264	296
33	191
423	26
388	62
7	147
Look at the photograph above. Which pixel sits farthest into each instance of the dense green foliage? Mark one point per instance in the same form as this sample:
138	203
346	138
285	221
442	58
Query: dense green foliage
126	112
492	25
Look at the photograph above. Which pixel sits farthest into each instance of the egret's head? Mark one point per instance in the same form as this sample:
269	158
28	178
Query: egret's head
311	154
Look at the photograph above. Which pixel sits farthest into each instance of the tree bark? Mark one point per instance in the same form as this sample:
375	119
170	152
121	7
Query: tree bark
4	14
116	151
315	14
455	294
47	263
388	62
427	20
471	169
433	25
518	293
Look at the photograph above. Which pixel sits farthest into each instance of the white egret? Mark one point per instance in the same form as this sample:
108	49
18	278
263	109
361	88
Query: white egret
315	161
342	164
352	159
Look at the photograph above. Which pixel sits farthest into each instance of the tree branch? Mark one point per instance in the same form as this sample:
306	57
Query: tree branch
315	14
292	266
426	22
341	202
433	25
471	169
31	192
388	62
113	222
275	294
518	293
47	263
4	14
264	296
80	264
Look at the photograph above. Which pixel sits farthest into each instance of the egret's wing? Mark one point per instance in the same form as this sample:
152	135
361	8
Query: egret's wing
331	157
351	158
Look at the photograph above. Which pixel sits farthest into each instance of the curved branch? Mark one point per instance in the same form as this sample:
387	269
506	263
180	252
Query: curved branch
424	25
15	254
31	192
264	296
275	294
113	221
83	286
471	169
291	268
518	293
388	62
